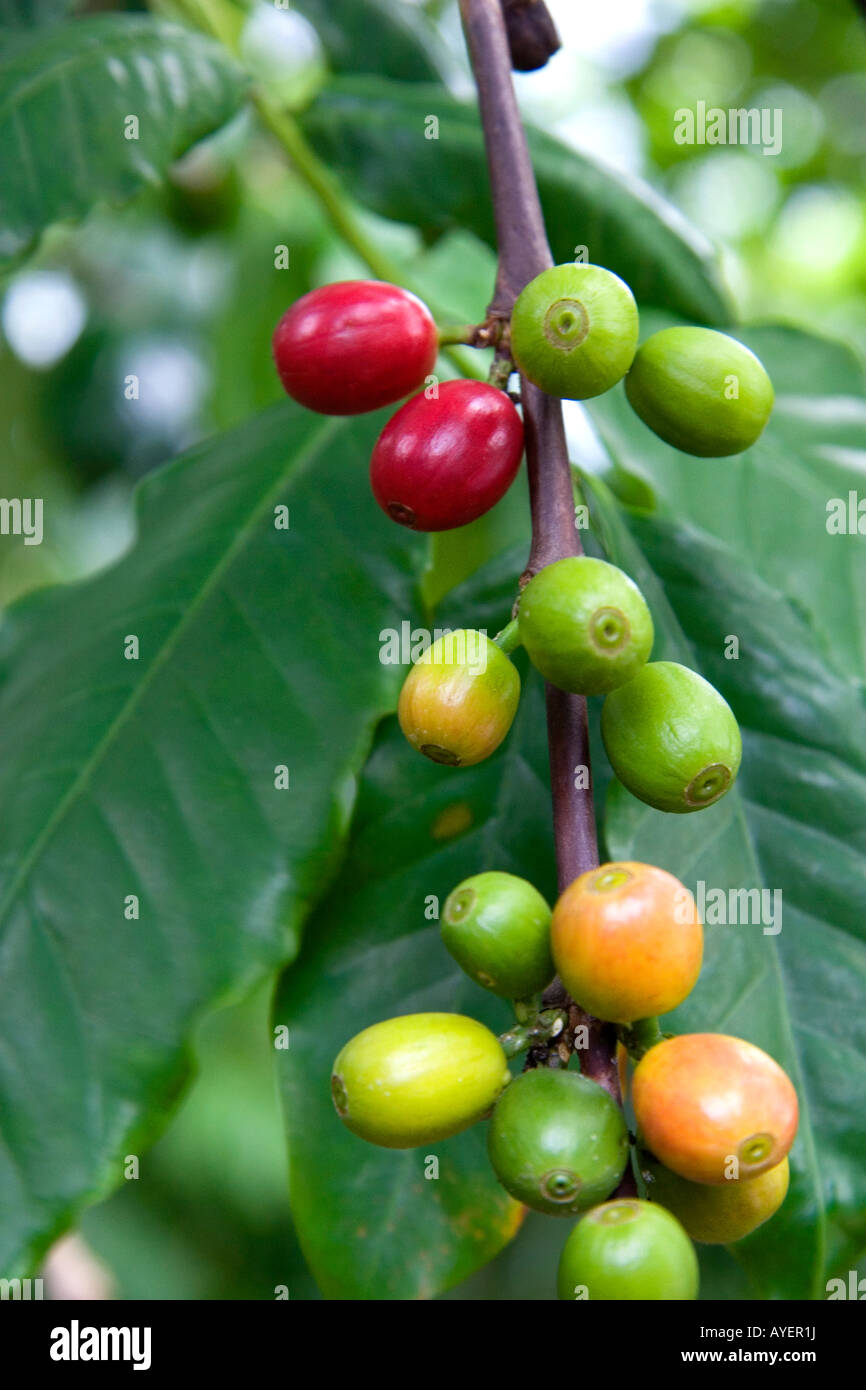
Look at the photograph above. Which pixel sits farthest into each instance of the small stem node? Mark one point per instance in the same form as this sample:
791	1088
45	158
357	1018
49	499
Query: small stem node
637	1038
463	334
508	640
501	372
526	1010
547	1026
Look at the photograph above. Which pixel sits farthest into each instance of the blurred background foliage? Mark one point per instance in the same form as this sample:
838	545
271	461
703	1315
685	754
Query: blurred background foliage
181	289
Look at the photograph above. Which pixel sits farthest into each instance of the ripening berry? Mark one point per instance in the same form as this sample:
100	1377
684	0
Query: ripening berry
720	1215
574	330
627	941
628	1251
712	1108
700	390
671	738
585	625
557	1141
354	346
419	1078
497	928
445	460
459	699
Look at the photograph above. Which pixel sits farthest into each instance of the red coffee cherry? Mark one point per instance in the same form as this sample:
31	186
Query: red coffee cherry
354	346
442	462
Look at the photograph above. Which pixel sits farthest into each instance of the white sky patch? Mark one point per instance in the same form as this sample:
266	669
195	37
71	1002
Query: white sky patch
172	381
619	37
279	43
584	446
610	130
43	315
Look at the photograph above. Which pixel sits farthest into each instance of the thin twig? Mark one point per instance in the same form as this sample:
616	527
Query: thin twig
523	253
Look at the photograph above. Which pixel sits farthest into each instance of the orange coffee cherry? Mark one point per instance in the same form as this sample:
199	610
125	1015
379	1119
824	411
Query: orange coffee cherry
714	1108
627	941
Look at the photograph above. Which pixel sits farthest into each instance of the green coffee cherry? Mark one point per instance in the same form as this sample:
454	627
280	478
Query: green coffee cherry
700	390
419	1078
557	1141
459	699
585	625
497	928
671	738
574	330
628	1251
719	1213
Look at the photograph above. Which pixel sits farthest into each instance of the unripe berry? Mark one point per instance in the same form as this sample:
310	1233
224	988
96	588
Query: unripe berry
557	1141
459	699
585	625
720	1215
354	346
574	330
497	928
627	941
671	738
628	1251
712	1108
416	1079
700	390
445	460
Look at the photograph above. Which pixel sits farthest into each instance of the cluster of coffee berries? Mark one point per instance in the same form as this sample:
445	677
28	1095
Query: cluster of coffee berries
715	1115
451	452
671	738
574	333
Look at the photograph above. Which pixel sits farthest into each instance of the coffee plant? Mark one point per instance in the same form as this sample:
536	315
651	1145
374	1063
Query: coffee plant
542	821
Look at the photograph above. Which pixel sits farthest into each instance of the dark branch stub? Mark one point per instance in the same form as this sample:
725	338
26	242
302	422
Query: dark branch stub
532	36
523	253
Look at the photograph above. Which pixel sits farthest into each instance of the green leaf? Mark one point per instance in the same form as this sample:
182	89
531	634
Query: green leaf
380	137
28	14
770	505
377	36
66	98
208	1216
795	825
156	778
